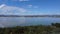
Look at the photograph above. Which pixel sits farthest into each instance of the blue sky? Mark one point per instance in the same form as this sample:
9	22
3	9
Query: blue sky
30	7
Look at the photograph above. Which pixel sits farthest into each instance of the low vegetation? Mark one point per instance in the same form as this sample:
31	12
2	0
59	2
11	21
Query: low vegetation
54	28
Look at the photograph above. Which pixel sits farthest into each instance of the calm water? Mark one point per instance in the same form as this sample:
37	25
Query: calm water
23	21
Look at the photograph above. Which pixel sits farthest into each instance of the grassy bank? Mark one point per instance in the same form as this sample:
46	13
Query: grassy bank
54	28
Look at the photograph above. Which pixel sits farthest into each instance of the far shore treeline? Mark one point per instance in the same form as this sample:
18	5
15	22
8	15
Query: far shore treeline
38	29
29	15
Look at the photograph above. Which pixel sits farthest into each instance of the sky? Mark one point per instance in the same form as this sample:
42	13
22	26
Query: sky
30	7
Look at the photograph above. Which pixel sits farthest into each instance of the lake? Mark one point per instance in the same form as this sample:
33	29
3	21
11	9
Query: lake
26	21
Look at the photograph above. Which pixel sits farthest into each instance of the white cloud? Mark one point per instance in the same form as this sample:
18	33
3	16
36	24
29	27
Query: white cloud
4	9
32	6
23	0
2	6
18	0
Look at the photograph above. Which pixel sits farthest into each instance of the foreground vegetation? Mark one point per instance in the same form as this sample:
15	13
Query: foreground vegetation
54	28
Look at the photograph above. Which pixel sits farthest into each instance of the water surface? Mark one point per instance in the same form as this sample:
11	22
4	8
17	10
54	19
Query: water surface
26	21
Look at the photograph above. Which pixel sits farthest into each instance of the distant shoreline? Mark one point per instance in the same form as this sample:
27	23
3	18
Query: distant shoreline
29	15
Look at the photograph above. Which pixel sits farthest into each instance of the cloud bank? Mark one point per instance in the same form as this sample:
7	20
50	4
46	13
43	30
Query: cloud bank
2	6
11	10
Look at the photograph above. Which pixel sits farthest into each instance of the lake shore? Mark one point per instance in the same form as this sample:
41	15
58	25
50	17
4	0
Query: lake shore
38	29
